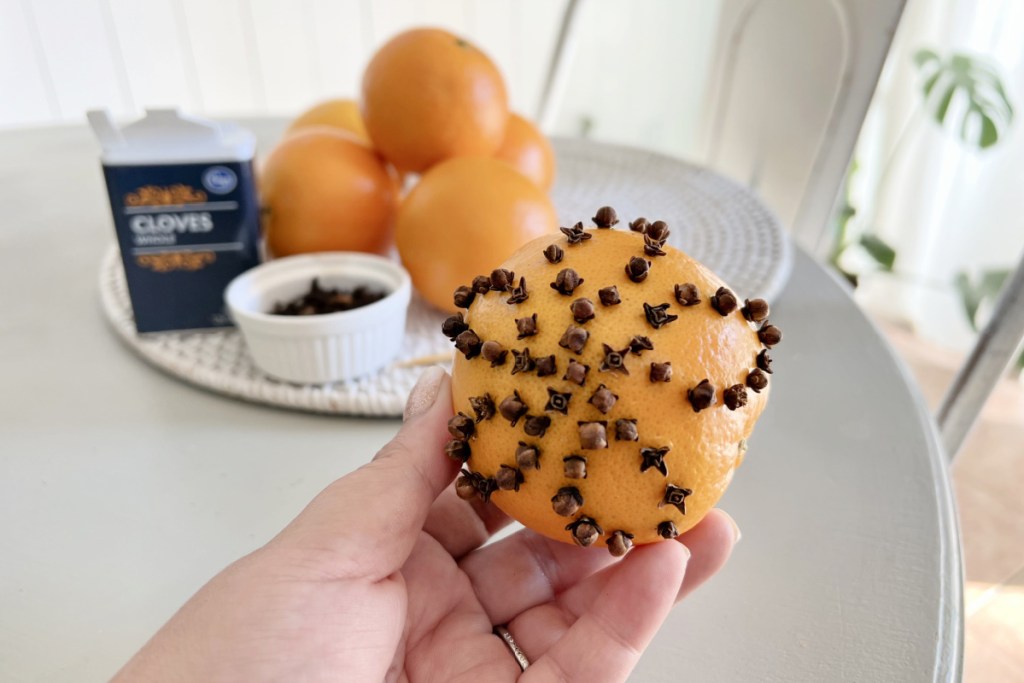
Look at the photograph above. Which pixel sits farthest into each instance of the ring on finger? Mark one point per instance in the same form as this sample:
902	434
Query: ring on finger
517	653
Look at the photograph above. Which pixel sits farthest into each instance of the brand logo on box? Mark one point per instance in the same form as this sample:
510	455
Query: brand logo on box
219	179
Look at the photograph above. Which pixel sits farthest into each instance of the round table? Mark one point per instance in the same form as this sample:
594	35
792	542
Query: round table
123	490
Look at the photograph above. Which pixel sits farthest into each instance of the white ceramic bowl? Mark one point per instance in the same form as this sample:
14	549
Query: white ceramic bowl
332	347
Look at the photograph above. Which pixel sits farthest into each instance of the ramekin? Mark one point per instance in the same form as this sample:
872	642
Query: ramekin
332	347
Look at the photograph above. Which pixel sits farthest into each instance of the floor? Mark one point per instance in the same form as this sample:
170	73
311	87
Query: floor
988	478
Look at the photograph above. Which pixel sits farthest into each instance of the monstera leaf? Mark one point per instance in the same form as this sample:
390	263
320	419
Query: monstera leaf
986	111
976	290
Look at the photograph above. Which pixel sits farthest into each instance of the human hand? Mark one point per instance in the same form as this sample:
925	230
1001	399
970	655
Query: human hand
383	577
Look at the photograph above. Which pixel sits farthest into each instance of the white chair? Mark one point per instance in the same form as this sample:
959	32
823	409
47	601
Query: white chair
791	82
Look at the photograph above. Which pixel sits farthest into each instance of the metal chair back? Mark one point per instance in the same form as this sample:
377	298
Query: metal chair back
790	84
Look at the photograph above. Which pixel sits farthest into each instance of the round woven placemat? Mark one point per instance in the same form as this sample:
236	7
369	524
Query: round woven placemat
714	219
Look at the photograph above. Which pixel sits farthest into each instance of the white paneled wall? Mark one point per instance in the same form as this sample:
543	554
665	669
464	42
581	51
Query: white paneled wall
27	94
59	58
638	76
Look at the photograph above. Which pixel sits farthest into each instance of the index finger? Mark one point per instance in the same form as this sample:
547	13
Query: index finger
366	523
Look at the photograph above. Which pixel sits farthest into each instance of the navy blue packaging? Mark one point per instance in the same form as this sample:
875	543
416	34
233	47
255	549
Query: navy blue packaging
185	230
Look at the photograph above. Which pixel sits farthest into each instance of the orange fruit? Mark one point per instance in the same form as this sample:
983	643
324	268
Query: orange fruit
463	217
429	95
624	488
339	113
529	152
324	190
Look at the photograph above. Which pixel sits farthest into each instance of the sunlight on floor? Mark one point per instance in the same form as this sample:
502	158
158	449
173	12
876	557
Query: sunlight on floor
994	639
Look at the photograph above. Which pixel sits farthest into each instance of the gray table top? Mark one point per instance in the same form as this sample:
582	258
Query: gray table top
122	490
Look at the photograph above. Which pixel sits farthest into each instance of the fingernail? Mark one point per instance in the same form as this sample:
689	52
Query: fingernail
424	393
736	533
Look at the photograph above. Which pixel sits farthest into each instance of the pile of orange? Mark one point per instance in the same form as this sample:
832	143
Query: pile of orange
434	117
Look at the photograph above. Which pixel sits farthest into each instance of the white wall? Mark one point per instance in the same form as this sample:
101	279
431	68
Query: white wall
224	57
59	58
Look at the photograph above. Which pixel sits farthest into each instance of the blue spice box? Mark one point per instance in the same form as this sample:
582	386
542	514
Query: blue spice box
183	198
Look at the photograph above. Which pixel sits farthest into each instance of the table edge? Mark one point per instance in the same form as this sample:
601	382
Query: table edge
949	648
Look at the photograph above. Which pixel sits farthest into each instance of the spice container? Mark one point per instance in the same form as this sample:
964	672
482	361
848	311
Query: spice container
184	205
330	347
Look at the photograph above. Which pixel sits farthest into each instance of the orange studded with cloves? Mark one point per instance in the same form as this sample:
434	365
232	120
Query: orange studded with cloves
652	379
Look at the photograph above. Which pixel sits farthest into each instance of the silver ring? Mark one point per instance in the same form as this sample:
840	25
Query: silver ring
521	659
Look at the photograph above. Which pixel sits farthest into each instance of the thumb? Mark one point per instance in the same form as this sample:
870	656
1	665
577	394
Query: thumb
366	523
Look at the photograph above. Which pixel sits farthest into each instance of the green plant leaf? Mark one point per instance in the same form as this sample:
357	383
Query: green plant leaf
846	212
989	134
968	297
882	253
1001	92
960	63
942	108
974	81
930	83
924	56
992	281
974	292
